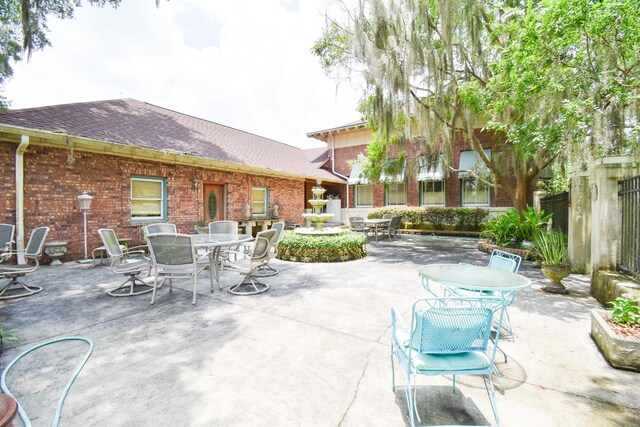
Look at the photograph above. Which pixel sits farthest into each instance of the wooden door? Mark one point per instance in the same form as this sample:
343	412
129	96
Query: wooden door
213	202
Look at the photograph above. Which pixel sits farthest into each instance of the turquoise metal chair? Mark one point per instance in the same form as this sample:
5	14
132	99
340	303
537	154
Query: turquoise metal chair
447	336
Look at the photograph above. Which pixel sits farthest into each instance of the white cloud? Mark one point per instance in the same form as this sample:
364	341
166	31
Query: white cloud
242	64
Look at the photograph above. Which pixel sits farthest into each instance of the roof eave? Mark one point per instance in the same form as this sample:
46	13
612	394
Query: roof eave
68	142
323	134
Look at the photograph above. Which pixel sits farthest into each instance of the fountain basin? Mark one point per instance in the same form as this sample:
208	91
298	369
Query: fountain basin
311	231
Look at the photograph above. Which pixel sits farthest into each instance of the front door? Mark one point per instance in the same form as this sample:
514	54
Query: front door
213	202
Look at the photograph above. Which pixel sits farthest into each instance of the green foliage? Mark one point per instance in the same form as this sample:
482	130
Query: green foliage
551	248
9	336
463	219
509	227
625	311
332	248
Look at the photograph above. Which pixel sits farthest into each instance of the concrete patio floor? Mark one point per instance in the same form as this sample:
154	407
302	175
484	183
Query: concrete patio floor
312	351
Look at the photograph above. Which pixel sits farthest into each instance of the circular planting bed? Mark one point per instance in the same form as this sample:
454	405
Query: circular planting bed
309	248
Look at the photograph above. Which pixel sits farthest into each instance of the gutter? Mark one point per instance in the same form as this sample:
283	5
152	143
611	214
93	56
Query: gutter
333	169
24	143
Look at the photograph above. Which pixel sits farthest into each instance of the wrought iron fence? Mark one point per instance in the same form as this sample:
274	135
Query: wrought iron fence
558	205
629	201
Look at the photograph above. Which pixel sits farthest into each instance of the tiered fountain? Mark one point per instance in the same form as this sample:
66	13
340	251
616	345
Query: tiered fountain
318	217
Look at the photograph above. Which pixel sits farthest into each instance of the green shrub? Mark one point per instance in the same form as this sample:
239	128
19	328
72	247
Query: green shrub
507	227
552	248
330	248
625	310
434	218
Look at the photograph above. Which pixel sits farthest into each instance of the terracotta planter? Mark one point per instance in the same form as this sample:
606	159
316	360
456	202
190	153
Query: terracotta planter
555	273
620	352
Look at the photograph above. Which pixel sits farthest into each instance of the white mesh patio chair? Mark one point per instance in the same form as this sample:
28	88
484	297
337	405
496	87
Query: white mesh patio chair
175	257
266	269
129	262
391	229
6	241
248	265
15	288
447	336
161	227
356	223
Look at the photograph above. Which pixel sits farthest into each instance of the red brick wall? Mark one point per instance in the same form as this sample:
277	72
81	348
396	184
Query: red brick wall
452	185
52	186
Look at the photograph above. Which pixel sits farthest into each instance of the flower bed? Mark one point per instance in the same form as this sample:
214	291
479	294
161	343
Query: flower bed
336	248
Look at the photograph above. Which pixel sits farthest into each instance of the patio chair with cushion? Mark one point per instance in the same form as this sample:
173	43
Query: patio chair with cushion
15	288
174	257
249	264
6	241
129	262
447	336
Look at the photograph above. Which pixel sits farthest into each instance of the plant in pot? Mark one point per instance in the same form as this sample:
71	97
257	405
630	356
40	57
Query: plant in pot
617	332
201	227
553	251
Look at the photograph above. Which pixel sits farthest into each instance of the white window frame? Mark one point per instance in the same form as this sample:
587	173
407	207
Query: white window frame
162	199
387	191
463	193
363	188
264	204
423	184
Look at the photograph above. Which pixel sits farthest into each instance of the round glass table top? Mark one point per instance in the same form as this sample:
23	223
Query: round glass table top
474	277
219	239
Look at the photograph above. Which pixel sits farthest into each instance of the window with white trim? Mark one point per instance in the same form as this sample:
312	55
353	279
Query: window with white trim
396	193
148	198
260	201
475	192
432	193
364	195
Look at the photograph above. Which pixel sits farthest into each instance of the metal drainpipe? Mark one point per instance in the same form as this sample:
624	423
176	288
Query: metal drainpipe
333	169
24	143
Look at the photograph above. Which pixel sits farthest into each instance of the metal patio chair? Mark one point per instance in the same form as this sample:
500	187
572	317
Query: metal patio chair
15	288
447	336
356	223
161	227
175	257
249	264
266	270
6	240
129	262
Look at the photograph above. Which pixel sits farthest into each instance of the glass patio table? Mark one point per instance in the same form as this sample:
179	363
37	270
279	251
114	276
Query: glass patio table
214	243
473	278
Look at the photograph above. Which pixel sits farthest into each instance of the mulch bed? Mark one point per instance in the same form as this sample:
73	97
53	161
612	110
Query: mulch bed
632	332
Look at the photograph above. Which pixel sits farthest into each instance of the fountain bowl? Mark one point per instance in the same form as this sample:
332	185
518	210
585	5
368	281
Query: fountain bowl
329	231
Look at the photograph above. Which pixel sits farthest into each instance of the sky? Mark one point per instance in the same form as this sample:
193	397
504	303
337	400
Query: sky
244	64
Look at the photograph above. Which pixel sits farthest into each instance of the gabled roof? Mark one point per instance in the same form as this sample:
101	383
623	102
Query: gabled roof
322	134
128	122
317	156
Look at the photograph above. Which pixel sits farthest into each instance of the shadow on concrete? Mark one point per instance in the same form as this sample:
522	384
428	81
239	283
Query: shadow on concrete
439	405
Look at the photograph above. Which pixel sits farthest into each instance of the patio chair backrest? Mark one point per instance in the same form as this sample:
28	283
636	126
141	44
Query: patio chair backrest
387	216
262	245
451	329
111	244
36	243
171	250
162	227
6	236
501	260
279	227
356	223
223	227
395	222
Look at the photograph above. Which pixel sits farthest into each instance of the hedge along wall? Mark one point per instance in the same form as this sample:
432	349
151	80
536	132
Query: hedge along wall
462	219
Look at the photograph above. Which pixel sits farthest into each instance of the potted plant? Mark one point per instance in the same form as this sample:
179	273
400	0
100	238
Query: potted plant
552	250
201	227
617	332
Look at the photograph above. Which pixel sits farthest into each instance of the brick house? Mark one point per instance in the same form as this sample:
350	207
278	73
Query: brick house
423	182
143	164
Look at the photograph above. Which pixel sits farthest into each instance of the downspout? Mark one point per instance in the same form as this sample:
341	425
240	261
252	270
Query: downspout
24	143
333	169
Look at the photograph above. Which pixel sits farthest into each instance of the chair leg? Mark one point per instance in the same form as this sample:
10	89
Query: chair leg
258	287
265	270
195	287
128	288
15	285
